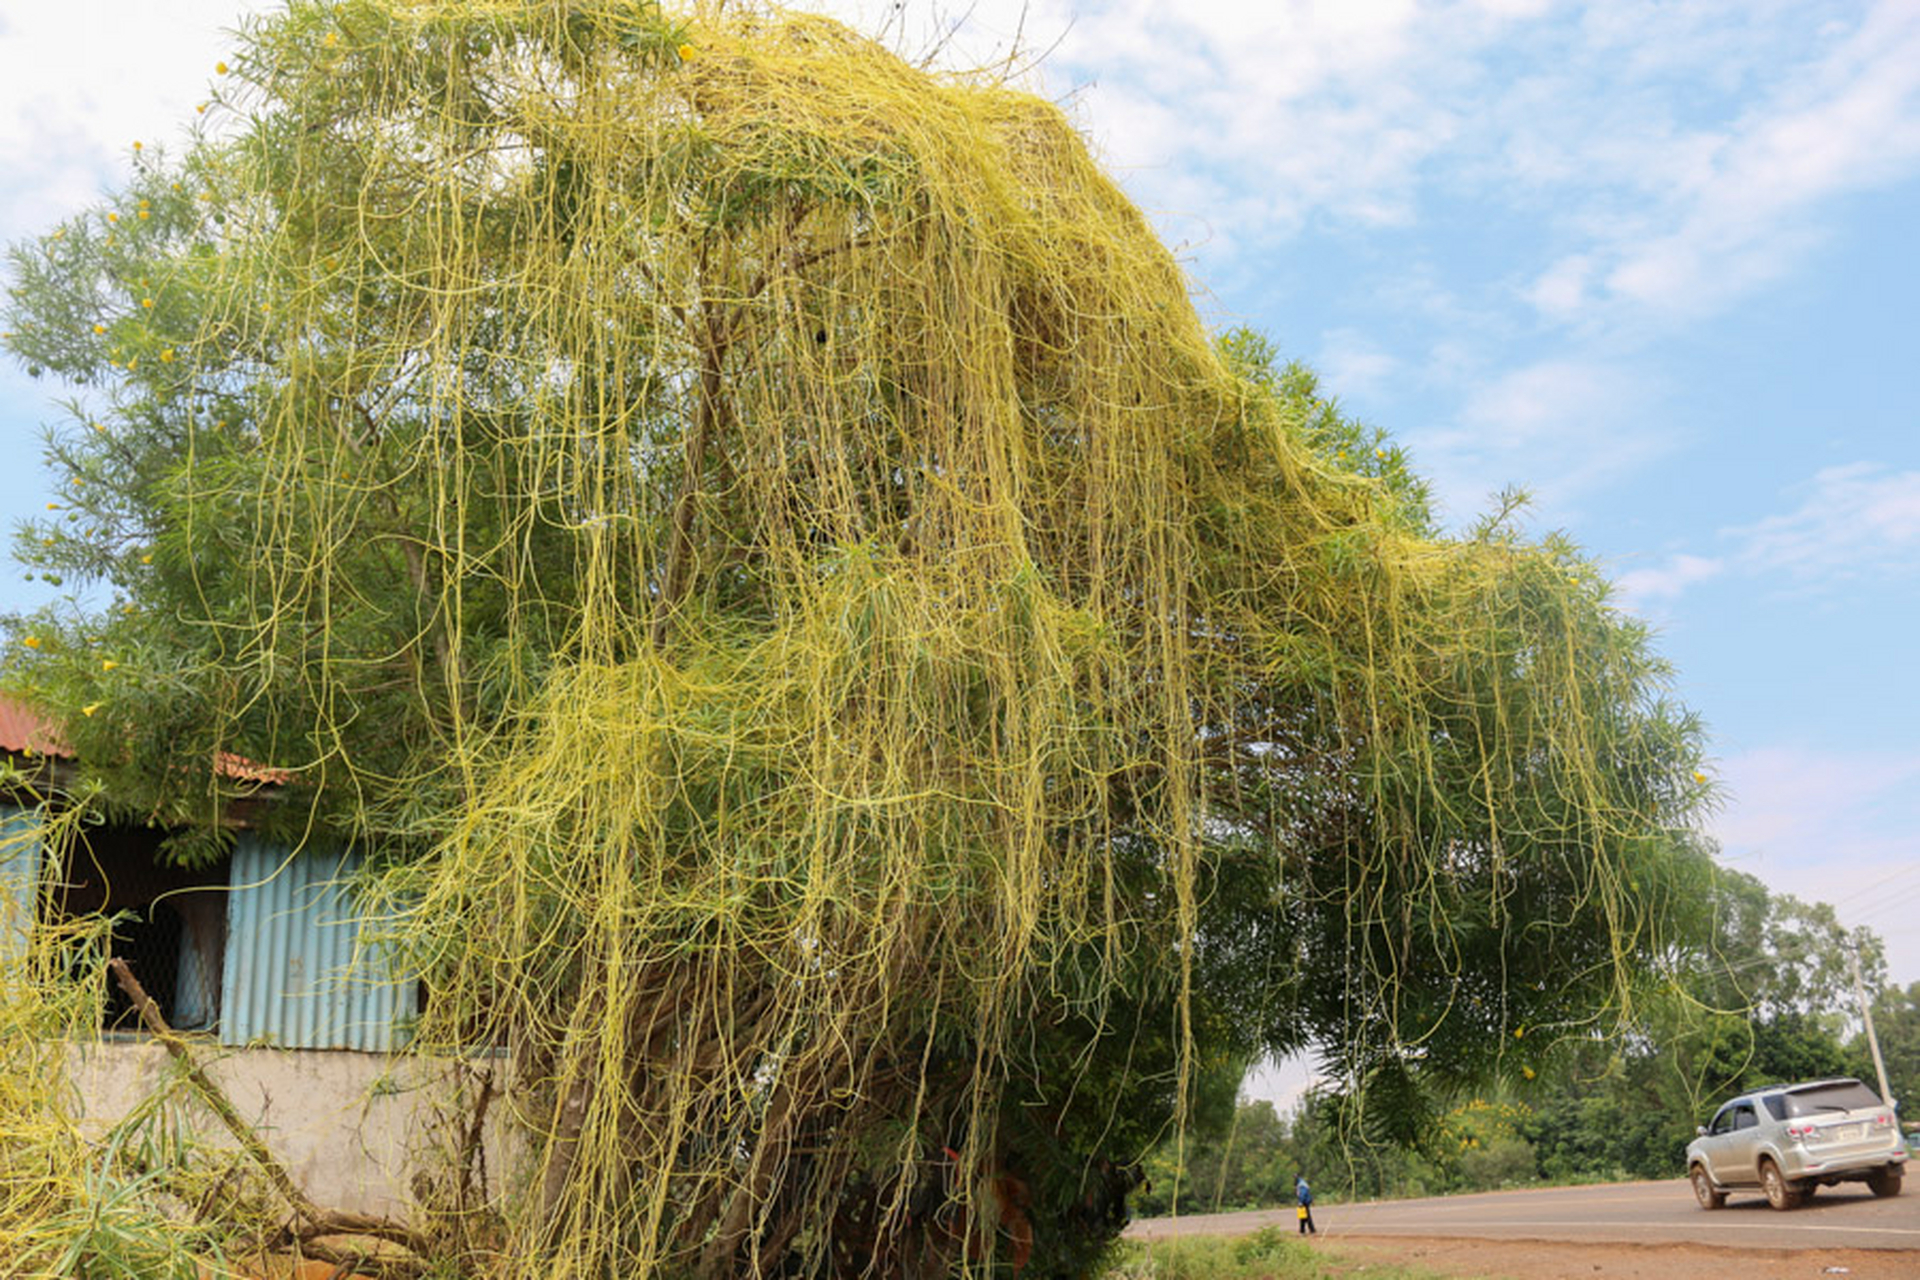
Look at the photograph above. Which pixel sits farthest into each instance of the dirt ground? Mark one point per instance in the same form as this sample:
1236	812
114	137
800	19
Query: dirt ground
1542	1260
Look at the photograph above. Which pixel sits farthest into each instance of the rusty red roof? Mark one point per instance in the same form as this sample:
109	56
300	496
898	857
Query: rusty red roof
241	769
26	728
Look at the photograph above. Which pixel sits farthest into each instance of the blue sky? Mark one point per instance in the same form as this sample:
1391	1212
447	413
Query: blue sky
1654	262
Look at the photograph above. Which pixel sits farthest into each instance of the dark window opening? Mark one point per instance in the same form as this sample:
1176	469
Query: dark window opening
170	923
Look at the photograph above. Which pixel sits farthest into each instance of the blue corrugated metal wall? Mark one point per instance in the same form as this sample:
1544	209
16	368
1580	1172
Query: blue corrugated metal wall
19	878
291	975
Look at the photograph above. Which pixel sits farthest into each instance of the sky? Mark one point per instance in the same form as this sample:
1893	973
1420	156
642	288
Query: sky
1655	263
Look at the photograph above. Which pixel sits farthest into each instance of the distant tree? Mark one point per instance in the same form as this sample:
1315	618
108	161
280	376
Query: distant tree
1896	1020
1765	998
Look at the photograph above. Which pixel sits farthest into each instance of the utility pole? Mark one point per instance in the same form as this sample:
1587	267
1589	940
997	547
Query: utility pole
1866	1015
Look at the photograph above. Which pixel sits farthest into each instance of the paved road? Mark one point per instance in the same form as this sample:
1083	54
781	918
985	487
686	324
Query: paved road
1847	1216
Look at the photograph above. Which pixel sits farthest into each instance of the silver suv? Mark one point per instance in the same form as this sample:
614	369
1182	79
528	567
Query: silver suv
1788	1139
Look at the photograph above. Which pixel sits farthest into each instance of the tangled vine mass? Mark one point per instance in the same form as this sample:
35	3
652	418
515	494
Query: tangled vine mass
874	710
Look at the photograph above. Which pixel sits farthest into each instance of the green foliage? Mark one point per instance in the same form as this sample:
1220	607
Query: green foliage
837	667
1896	1020
1766	999
1269	1254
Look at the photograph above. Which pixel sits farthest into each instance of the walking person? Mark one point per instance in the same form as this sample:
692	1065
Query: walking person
1304	1194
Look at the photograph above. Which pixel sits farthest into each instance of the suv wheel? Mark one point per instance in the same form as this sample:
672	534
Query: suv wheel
1781	1194
1884	1182
1709	1196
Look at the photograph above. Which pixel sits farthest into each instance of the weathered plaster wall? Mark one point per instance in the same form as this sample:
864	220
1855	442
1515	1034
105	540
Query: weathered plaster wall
350	1127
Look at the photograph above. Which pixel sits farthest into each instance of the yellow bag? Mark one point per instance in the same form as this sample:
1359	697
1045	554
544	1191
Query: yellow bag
1303	1213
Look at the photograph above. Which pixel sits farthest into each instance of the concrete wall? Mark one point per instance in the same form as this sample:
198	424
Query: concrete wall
352	1128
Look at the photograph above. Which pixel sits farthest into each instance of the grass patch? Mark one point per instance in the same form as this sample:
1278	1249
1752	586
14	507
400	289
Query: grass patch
1272	1253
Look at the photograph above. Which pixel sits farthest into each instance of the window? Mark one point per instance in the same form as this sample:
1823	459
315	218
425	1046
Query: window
1837	1095
1743	1117
172	929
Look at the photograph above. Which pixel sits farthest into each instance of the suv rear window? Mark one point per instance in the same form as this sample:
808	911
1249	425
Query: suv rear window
1841	1095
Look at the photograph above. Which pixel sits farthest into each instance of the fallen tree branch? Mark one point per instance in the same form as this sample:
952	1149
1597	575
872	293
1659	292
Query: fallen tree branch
470	1149
317	1221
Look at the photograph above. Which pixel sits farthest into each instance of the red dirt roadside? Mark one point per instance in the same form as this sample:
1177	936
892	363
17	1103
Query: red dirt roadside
1547	1260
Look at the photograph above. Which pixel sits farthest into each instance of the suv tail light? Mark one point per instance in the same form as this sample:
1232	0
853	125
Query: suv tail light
1801	1130
1883	1120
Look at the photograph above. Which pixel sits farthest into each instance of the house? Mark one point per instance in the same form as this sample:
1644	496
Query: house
261	957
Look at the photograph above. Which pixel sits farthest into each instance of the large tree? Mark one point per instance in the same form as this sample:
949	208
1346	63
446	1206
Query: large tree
851	682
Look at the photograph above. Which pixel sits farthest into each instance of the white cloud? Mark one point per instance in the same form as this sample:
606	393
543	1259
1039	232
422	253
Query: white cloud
1678	150
1832	827
1294	109
1670	159
1792	802
1641	586
1731	201
1857	520
1646	164
1563	426
1539	399
1561	290
81	80
1350	364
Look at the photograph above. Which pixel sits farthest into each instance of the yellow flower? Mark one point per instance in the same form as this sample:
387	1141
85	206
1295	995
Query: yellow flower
1527	1072
32	642
90	708
331	39
1518	1032
108	664
113	217
147	559
686	53
99	328
53	506
219	68
101	429
166	357
1379	453
202	109
145	214
1699	777
133	364
147	303
136	144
